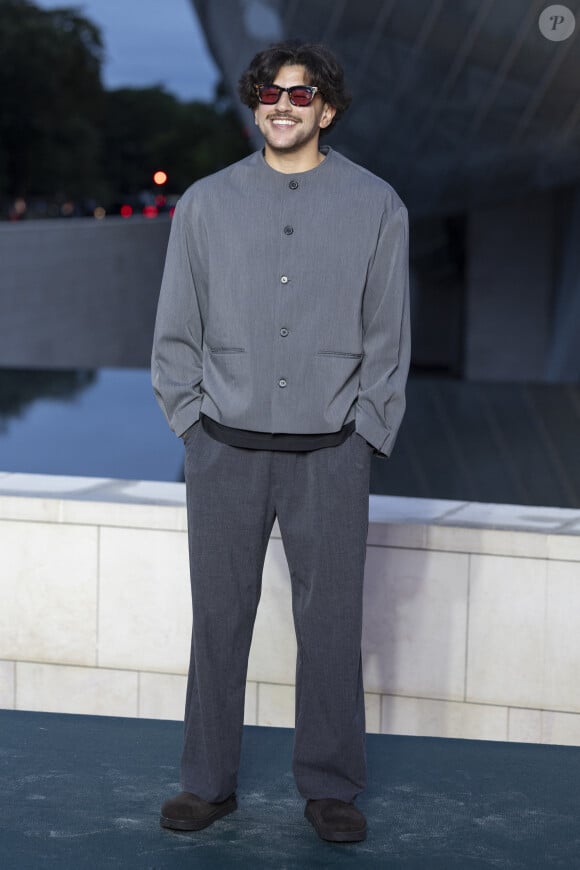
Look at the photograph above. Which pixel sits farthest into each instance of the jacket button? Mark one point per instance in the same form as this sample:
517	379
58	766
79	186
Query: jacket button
288	230
284	279
284	332
282	382
293	184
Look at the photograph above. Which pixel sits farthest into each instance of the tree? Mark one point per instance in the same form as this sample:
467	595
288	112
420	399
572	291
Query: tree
147	129
204	140
51	101
62	136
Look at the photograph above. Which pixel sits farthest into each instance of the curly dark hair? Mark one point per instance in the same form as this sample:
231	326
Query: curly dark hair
322	68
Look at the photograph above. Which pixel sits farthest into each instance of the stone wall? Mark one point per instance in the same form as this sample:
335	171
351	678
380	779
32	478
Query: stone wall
472	611
80	293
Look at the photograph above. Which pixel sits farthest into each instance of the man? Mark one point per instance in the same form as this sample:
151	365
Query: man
280	355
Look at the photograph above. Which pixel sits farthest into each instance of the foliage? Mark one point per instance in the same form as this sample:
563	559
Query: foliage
51	100
148	129
62	136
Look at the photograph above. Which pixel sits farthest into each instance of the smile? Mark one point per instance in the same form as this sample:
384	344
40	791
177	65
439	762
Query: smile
283	122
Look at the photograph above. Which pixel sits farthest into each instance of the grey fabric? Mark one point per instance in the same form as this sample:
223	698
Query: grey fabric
285	308
320	498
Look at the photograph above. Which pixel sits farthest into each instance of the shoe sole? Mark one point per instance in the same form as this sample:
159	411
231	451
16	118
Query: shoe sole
193	825
336	836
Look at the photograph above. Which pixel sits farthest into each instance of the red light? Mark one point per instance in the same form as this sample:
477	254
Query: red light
160	200
150	211
172	211
126	211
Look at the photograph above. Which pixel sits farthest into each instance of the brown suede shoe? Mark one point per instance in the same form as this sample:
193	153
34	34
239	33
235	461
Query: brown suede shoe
188	812
336	820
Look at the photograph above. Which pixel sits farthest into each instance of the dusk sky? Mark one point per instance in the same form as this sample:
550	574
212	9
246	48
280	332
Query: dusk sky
149	42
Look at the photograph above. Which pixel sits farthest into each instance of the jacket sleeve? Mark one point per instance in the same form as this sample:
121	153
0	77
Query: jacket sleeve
386	335
176	362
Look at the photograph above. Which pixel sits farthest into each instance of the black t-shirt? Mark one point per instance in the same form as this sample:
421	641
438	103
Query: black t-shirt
273	441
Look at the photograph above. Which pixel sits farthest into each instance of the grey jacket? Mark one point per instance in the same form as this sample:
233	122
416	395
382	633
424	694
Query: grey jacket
284	305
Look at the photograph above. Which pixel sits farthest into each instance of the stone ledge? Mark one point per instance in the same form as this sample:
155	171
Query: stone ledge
425	524
471	610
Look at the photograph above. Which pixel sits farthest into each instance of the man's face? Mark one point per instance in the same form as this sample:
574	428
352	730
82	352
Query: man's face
287	128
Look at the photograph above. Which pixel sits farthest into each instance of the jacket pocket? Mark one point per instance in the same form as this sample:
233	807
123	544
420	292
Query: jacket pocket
339	353
226	349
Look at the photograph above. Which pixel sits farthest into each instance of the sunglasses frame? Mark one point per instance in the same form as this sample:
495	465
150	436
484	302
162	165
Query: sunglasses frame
314	90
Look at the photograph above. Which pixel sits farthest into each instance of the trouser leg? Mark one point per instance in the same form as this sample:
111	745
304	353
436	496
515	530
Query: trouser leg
230	517
322	506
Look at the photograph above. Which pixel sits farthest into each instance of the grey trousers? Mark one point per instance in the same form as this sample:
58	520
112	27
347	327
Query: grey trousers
320	498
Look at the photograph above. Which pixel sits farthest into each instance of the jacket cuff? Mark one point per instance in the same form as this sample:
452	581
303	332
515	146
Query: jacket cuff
379	437
185	418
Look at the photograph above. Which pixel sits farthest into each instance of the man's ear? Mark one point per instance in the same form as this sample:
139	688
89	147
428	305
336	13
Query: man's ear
327	116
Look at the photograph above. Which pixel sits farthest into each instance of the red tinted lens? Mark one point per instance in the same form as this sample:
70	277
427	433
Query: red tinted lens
269	94
300	96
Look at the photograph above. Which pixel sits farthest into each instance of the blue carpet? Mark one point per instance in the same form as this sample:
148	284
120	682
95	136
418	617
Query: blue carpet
85	791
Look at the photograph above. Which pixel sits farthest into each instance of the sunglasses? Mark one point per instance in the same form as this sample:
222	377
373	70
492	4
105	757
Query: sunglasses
299	95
